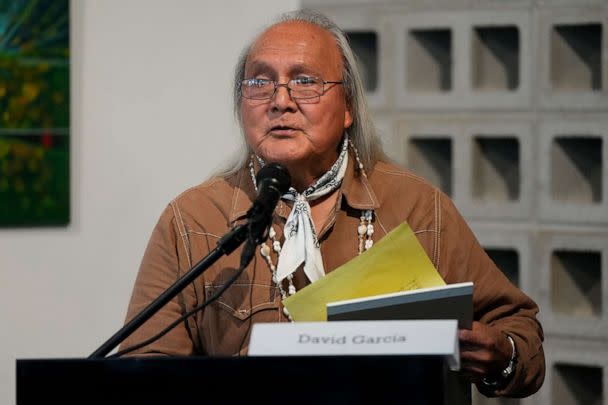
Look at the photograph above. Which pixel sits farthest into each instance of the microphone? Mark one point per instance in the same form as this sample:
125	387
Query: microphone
273	180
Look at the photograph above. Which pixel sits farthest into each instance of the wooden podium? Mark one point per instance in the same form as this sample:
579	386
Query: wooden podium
216	380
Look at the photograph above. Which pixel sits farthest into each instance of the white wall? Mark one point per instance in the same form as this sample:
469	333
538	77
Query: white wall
151	116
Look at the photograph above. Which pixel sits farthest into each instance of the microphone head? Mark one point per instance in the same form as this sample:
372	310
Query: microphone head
273	180
273	175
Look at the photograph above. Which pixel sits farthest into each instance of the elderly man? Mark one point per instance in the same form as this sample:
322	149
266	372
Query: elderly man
299	100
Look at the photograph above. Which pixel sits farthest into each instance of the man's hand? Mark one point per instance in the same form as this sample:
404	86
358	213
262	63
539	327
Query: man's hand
484	351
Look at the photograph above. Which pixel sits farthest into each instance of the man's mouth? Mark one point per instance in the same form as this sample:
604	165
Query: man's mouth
282	130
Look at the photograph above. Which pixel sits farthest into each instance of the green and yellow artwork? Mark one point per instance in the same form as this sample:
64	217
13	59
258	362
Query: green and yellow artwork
34	112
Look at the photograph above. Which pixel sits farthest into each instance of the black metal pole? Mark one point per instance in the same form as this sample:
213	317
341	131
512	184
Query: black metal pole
226	245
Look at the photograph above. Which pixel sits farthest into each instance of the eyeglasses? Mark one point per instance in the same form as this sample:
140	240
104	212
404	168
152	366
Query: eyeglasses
299	88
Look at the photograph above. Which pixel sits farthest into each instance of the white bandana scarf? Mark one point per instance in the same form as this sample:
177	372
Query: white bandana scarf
301	243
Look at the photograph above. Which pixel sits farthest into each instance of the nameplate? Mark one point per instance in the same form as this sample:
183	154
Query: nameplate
433	337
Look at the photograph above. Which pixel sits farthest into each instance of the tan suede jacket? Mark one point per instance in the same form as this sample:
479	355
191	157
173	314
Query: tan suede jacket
192	224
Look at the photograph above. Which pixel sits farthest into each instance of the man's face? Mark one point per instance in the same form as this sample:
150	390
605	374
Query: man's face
296	133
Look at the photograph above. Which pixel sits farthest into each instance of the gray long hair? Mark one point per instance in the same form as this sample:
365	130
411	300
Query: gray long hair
361	132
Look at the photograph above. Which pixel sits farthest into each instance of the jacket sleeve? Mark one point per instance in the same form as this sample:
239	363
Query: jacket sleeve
163	263
496	301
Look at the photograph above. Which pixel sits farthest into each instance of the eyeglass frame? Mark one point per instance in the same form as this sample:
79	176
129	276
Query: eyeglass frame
289	89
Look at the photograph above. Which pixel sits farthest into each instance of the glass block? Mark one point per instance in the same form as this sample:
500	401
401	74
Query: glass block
576	283
496	169
495	58
576	169
576	57
431	158
429	61
577	385
507	260
365	46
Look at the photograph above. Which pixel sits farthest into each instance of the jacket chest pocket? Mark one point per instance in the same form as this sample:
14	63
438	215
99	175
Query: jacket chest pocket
226	323
245	300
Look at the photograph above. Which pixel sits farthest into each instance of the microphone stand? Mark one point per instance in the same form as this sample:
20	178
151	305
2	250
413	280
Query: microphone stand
272	180
226	245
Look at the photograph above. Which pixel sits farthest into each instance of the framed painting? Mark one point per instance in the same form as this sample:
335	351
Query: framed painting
34	113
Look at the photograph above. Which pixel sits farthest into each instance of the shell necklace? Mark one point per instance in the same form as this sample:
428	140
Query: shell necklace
365	231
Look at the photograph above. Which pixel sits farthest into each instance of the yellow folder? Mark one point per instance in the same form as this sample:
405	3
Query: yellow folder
395	263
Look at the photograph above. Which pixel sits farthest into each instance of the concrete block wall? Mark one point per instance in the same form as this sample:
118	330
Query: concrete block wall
504	106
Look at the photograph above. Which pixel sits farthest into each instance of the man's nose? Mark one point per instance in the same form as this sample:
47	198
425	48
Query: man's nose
282	97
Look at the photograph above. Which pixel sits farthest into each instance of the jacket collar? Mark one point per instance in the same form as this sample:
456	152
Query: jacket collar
356	190
356	187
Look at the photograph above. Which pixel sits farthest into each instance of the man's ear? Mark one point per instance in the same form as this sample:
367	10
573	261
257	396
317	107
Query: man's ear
348	117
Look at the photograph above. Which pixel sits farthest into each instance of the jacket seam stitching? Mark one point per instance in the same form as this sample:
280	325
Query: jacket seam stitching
370	194
191	232
179	220
402	174
197	187
223	304
235	196
425	230
210	285
182	229
381	224
438	227
435	223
